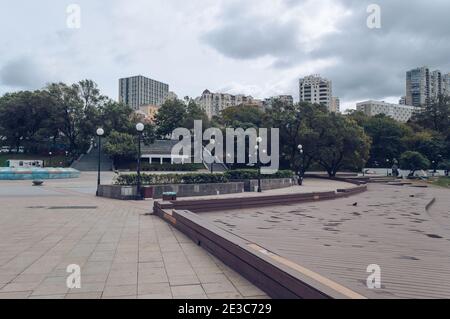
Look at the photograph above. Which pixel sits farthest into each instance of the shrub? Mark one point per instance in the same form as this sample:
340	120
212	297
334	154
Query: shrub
245	174
146	167
413	161
445	165
162	179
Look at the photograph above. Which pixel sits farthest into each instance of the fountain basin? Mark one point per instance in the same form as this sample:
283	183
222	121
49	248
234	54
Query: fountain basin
7	173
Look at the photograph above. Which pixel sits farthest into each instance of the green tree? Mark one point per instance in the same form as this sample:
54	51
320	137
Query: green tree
121	146
25	119
436	116
195	113
295	123
341	143
70	116
388	138
171	115
429	143
445	165
116	117
77	112
243	116
413	161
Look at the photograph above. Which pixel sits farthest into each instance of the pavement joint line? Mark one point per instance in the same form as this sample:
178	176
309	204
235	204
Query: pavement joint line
309	273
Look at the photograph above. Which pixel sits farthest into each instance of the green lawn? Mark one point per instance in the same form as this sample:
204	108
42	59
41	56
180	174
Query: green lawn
54	161
442	181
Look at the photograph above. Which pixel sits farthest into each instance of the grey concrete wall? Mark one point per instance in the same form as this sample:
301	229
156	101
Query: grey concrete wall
268	184
182	190
117	192
190	190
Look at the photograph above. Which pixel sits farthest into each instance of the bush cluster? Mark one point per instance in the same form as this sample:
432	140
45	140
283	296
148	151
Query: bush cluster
245	174
147	167
197	178
154	179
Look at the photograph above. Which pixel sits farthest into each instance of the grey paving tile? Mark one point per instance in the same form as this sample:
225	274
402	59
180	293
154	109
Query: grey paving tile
189	290
154	289
184	280
15	295
119	291
218	287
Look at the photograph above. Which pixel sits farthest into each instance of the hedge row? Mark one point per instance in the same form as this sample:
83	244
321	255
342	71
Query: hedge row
161	179
146	167
244	174
197	178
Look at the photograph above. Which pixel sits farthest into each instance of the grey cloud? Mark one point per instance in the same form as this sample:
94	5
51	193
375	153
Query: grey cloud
23	73
250	38
372	62
242	35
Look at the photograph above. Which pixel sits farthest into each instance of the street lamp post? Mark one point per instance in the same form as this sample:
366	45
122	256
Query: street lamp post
212	142
100	132
387	165
258	141
302	164
140	129
67	158
50	159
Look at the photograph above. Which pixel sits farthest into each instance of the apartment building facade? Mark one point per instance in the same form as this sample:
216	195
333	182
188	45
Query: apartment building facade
318	90
423	86
400	113
335	105
138	90
214	103
285	99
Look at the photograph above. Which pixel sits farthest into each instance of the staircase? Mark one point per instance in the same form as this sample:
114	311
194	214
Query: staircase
216	167
89	161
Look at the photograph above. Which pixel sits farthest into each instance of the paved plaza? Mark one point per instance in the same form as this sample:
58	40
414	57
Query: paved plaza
122	252
389	226
125	253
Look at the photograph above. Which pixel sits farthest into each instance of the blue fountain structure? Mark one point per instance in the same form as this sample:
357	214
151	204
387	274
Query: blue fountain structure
36	173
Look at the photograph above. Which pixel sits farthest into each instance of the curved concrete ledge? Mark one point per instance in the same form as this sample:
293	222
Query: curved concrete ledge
277	277
210	205
431	203
271	273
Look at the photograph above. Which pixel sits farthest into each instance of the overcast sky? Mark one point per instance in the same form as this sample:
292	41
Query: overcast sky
256	47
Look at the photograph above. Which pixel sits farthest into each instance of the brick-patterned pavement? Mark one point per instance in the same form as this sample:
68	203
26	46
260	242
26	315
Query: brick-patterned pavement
122	252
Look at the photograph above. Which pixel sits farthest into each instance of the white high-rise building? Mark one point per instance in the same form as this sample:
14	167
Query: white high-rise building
436	84
423	86
138	90
400	113
317	90
335	105
214	103
418	87
446	80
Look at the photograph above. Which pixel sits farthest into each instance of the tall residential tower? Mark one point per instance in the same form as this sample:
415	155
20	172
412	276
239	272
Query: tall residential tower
423	86
318	90
138	90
